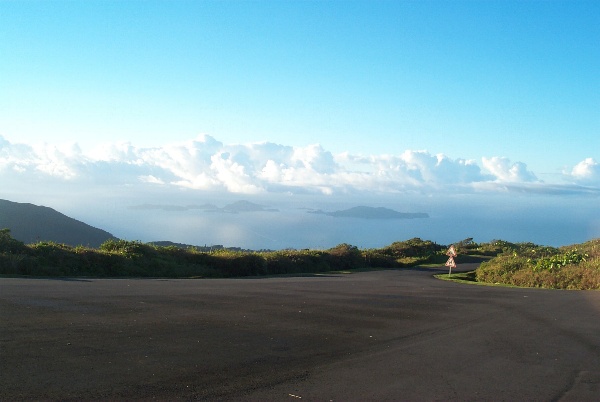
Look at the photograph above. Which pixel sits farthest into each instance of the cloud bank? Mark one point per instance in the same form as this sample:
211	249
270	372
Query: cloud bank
206	164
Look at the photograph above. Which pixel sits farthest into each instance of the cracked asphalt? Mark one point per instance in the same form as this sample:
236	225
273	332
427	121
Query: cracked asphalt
382	335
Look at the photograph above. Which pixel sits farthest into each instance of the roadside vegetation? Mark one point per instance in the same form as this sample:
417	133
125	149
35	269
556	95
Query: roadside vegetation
529	265
122	258
518	264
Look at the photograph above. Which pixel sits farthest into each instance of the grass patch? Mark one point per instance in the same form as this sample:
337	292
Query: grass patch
458	277
469	278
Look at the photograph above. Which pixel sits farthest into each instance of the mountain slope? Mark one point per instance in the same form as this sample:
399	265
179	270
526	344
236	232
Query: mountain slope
32	223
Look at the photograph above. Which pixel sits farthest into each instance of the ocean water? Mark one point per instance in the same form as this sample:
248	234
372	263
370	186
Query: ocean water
545	220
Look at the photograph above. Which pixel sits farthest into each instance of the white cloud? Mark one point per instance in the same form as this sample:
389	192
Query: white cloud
314	158
151	179
504	171
586	172
272	171
60	161
233	175
114	152
205	164
417	169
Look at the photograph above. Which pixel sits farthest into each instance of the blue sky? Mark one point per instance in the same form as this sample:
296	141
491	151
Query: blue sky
324	97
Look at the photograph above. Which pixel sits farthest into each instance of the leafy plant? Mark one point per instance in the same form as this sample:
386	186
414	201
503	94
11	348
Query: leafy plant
560	260
573	267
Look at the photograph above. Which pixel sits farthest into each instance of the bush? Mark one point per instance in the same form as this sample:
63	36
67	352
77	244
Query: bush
500	268
17	264
345	256
244	265
523	264
10	245
414	247
573	267
293	261
128	249
118	258
559	260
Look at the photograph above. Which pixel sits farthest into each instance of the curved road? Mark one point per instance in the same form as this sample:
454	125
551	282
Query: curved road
385	335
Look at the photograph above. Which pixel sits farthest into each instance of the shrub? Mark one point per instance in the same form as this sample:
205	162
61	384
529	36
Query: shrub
536	266
523	264
377	258
293	261
500	268
17	264
10	245
344	256
128	249
238	264
559	260
414	247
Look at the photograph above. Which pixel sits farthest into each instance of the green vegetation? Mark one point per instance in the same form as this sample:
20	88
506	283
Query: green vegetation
405	254
122	258
531	265
461	277
525	264
515	264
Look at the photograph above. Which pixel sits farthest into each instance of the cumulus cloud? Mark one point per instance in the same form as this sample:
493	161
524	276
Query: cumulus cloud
314	158
505	171
60	161
206	164
585	172
416	169
233	175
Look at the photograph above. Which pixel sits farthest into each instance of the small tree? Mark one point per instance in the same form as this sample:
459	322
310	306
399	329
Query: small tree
8	244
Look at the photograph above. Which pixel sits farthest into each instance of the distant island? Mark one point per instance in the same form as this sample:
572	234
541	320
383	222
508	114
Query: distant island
246	206
363	212
233	208
168	207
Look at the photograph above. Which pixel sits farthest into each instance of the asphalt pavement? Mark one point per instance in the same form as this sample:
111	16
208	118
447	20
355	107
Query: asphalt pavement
398	335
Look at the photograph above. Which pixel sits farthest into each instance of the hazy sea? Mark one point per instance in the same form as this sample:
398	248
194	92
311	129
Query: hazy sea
545	220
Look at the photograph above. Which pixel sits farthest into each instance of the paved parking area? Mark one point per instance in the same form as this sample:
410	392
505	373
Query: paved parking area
383	335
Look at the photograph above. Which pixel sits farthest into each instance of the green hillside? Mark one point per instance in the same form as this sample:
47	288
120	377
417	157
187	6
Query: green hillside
32	223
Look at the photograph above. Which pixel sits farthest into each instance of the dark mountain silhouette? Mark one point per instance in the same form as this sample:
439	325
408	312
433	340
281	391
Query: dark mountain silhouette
32	223
371	213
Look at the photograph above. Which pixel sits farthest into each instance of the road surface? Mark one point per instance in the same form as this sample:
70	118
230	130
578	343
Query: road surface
382	335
